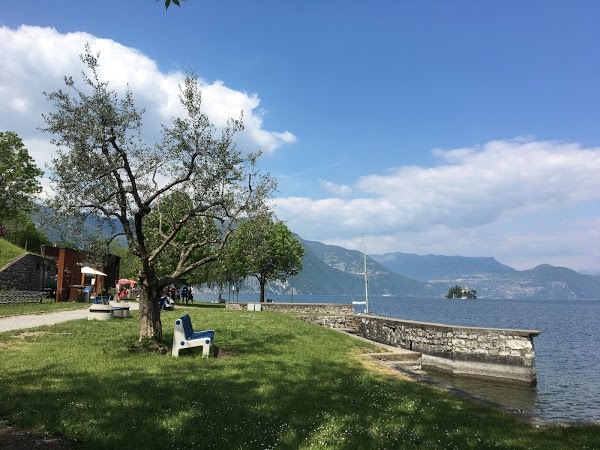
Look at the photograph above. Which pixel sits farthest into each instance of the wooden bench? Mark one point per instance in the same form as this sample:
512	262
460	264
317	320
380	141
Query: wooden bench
185	337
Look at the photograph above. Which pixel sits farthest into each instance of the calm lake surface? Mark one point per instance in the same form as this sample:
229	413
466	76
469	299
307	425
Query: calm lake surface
567	350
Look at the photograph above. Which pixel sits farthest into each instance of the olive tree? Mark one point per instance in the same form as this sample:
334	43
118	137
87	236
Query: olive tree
175	201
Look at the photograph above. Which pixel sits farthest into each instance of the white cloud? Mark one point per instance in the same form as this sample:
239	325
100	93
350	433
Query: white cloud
507	198
35	60
336	189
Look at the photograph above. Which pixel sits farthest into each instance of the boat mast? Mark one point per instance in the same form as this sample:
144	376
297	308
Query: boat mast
364	248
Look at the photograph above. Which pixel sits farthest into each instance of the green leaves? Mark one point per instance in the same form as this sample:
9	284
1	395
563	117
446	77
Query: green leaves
19	175
266	249
168	3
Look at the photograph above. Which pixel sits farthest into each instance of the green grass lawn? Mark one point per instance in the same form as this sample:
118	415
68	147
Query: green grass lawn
277	382
8	252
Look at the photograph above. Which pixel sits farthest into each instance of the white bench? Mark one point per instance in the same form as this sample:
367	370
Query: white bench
185	337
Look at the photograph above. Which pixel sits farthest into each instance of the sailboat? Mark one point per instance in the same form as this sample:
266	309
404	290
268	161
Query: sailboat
366	302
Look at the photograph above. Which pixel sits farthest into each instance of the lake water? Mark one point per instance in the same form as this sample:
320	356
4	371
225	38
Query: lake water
567	350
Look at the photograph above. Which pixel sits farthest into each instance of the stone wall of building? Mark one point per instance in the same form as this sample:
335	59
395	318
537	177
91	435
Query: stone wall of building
25	273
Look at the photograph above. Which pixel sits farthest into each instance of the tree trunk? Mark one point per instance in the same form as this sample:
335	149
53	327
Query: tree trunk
263	284
150	324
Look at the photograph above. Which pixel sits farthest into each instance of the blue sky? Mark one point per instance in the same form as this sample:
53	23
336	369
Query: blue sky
439	127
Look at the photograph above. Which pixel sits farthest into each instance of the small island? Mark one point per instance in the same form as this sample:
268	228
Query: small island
461	293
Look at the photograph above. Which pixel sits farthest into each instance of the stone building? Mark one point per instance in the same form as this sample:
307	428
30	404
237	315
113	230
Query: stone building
62	271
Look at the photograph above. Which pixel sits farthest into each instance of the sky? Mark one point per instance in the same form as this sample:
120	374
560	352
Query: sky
432	127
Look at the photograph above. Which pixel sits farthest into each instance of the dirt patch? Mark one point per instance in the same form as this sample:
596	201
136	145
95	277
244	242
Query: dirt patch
223	354
149	346
17	438
26	334
378	366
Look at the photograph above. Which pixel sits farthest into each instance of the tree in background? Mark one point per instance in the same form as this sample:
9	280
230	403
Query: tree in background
20	230
129	266
19	176
266	249
175	201
19	185
227	270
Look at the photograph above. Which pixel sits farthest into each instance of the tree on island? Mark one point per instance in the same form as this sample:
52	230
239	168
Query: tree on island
175	201
460	292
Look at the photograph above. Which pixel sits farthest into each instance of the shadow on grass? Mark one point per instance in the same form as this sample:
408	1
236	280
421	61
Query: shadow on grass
201	305
286	384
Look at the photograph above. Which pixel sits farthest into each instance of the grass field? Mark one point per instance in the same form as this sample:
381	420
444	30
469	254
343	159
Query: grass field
277	382
8	252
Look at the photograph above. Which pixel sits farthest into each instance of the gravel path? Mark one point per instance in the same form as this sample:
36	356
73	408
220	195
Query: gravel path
38	320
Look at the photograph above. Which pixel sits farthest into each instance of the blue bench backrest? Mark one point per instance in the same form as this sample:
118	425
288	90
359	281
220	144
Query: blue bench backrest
187	326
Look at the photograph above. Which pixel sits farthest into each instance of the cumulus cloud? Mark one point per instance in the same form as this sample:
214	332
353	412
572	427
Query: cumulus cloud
476	201
485	182
35	59
335	189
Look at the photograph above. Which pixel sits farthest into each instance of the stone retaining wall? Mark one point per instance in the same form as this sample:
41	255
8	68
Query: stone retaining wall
346	322
502	354
498	353
299	308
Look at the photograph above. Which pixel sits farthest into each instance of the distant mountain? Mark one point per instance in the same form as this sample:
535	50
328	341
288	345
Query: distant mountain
329	269
561	282
590	272
336	270
319	277
433	267
543	282
90	227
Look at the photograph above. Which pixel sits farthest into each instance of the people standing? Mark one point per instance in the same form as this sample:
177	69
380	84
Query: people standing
184	293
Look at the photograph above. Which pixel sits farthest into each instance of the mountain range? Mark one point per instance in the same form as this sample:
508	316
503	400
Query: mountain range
330	269
428	267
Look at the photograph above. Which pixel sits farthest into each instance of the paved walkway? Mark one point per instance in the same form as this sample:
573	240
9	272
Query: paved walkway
38	320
